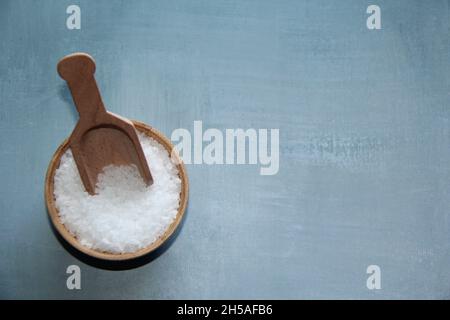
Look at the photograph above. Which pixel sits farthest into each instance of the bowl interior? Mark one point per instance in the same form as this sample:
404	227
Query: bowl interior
72	240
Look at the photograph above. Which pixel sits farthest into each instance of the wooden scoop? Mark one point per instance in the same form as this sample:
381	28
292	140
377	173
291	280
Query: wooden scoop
100	138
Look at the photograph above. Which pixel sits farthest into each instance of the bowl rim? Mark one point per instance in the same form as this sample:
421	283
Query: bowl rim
73	241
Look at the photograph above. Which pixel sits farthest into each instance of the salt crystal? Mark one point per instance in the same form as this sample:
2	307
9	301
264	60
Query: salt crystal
125	214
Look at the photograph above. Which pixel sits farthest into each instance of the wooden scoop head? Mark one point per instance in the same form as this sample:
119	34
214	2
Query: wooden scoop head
100	138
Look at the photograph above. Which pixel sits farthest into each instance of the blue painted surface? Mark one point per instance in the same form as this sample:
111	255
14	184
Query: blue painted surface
364	124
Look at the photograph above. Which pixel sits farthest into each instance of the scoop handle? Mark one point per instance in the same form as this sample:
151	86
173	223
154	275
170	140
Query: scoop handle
78	70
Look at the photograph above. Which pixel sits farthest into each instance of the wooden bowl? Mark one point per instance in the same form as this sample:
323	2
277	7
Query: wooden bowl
72	240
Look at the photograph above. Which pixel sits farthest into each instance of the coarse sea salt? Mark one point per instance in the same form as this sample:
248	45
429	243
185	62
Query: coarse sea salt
125	214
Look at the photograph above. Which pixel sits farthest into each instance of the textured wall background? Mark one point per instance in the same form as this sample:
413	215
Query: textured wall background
364	124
